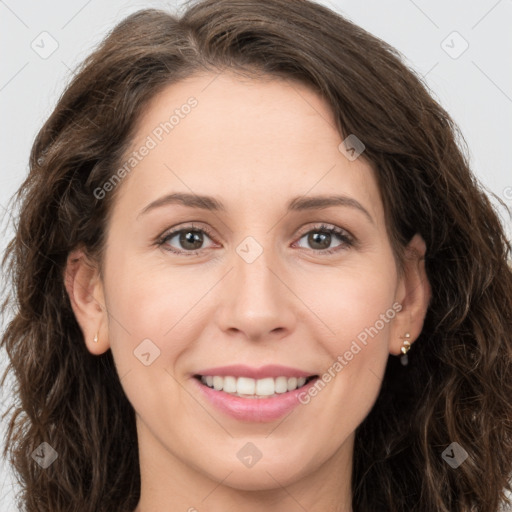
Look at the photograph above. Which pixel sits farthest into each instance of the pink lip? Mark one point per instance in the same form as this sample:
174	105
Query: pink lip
253	409
240	370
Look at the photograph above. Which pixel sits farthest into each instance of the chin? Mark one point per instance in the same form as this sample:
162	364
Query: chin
261	477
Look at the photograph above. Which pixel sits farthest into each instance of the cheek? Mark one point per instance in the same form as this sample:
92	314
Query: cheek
153	310
351	303
361	315
150	299
355	307
148	318
357	358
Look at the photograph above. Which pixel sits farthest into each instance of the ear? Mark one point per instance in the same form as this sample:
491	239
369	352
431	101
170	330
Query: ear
413	294
85	290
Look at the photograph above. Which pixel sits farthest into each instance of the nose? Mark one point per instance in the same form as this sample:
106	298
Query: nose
256	300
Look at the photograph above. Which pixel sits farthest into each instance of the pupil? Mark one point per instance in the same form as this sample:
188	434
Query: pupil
314	238
194	236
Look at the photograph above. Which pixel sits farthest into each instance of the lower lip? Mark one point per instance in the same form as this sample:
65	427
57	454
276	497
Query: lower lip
254	409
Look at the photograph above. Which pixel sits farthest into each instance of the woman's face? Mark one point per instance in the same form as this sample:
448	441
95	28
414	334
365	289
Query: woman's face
248	283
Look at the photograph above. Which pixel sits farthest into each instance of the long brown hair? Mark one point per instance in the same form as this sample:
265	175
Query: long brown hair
458	384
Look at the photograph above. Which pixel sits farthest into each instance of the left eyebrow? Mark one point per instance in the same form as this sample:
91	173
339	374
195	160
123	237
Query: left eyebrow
296	204
321	202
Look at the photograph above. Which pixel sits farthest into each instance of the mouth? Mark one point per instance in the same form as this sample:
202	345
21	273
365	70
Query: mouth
246	387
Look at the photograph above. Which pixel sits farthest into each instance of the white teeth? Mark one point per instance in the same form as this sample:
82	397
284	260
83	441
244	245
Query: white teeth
292	383
281	385
244	386
218	383
229	385
265	387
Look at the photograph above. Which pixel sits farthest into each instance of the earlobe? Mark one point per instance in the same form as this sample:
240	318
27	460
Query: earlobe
85	291
414	295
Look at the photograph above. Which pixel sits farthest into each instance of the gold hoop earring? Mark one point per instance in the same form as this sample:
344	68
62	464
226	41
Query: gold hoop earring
96	338
404	359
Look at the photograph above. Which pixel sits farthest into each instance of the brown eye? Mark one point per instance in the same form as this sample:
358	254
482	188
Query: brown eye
320	239
188	240
191	240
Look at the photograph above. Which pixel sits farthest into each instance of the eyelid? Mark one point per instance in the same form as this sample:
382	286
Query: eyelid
190	226
319	226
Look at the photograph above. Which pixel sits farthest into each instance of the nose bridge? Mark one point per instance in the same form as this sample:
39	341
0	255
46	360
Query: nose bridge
253	269
257	301
255	274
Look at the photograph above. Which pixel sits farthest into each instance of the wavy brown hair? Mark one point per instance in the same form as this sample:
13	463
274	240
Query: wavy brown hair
458	384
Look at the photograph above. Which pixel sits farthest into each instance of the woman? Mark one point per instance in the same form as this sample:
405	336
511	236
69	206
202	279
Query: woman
253	271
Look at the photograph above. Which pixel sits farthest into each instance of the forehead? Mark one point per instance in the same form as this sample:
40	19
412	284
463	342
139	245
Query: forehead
252	111
260	138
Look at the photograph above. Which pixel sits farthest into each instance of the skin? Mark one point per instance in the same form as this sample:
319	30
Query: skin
254	144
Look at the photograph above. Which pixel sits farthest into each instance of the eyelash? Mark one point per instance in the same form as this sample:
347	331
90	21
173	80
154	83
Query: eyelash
345	237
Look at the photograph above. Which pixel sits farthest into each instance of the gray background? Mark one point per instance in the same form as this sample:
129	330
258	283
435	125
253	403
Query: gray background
474	85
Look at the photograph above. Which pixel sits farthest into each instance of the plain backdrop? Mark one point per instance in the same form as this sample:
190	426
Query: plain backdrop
459	46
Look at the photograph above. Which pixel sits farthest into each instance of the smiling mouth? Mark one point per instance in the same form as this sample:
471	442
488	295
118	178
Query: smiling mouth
245	387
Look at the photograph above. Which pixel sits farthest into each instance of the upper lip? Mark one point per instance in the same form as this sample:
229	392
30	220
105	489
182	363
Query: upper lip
240	370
